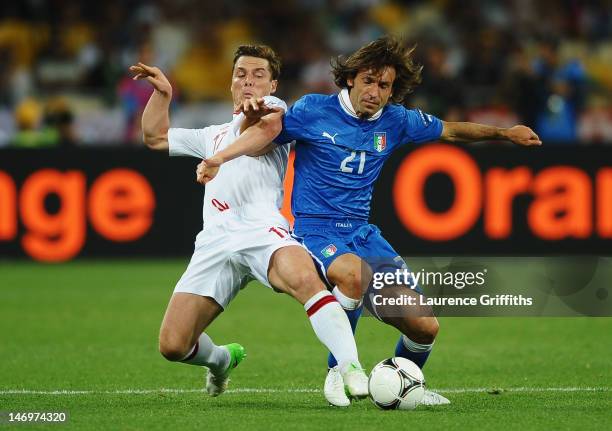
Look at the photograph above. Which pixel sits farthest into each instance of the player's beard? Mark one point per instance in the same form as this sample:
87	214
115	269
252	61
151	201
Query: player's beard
364	115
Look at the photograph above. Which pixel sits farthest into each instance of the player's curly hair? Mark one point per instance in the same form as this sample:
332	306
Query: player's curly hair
260	51
386	51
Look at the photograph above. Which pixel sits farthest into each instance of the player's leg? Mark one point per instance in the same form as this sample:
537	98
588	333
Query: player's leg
208	285
198	299
290	269
187	316
348	274
417	339
342	273
182	339
338	264
328	247
416	323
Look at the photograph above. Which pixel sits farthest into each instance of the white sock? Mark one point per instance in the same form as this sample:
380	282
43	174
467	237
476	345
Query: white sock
332	327
415	347
208	354
346	302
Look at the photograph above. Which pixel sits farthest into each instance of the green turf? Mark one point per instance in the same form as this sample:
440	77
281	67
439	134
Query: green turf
93	326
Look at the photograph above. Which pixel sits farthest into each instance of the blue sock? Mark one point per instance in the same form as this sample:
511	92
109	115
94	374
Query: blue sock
353	316
417	353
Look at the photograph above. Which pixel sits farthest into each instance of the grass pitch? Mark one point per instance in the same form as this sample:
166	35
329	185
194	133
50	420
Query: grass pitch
82	337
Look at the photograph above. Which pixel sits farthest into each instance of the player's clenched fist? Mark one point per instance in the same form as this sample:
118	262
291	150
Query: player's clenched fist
155	76
522	135
207	170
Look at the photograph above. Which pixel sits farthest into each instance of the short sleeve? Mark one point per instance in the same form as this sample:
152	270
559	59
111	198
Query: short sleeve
293	122
188	142
275	102
420	127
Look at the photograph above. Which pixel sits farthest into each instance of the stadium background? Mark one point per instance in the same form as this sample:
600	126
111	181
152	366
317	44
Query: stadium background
78	190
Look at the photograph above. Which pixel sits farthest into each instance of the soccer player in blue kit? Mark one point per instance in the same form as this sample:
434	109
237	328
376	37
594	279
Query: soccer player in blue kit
342	142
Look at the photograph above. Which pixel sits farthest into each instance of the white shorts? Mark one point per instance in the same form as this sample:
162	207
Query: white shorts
229	255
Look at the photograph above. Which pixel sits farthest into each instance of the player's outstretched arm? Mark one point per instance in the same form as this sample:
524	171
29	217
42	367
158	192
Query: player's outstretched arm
156	117
473	132
254	110
255	140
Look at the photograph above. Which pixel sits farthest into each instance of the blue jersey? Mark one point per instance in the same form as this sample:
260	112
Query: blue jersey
339	156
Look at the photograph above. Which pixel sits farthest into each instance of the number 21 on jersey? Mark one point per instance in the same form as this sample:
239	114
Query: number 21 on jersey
344	165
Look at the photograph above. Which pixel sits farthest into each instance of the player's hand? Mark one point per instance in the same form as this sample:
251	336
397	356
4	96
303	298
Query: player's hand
522	135
254	109
155	77
207	169
200	172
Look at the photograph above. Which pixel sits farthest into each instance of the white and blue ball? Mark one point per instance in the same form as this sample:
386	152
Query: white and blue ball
396	384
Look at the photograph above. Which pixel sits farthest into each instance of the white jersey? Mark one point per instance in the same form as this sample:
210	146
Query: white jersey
243	226
242	182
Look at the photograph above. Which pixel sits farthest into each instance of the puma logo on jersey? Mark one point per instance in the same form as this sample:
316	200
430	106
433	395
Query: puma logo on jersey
332	138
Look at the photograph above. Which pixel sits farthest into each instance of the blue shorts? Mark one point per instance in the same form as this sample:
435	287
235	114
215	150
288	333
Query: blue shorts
327	239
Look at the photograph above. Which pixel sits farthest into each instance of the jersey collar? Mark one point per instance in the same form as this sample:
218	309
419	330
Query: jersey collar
347	106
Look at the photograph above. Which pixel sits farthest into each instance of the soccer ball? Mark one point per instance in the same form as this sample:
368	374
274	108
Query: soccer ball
396	384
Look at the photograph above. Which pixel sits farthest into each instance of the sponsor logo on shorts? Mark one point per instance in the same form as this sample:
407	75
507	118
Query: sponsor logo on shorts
329	251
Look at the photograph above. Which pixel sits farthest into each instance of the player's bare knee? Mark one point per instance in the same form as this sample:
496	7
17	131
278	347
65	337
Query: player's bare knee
425	331
351	286
173	349
432	327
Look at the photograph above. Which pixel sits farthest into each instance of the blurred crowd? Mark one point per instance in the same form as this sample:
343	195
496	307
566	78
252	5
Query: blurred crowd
64	78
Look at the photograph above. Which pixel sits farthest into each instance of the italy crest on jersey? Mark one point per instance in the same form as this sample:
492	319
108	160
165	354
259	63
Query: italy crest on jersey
380	141
329	251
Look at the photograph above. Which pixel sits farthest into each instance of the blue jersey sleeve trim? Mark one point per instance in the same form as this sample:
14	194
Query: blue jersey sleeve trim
421	127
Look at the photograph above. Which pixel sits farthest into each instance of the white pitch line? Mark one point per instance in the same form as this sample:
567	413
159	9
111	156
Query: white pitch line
521	389
273	391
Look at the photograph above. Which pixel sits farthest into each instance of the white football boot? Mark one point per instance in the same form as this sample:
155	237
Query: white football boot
355	380
334	389
216	384
434	399
351	381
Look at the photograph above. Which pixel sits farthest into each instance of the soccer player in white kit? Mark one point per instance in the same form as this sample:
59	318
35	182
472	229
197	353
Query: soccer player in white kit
244	235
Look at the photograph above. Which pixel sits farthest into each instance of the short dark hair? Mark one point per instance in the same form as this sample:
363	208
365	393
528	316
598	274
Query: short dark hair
260	51
386	51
